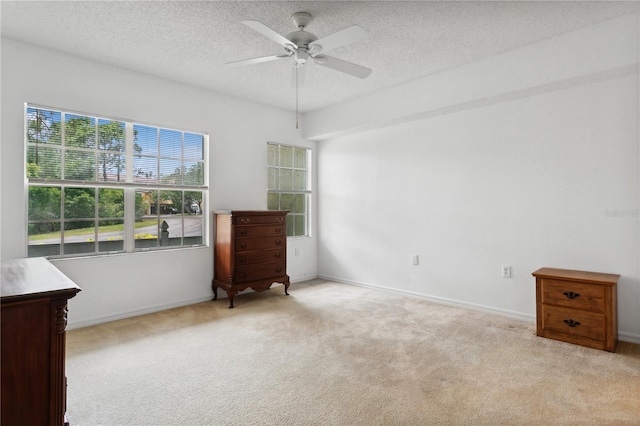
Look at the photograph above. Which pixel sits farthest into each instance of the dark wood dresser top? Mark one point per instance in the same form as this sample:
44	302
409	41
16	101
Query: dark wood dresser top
35	277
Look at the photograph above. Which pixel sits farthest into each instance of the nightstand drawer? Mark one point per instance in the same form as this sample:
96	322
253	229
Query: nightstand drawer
246	244
573	323
260	231
259	272
573	295
259	256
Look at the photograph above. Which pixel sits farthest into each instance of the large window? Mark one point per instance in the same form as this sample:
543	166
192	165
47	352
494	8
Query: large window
289	185
98	185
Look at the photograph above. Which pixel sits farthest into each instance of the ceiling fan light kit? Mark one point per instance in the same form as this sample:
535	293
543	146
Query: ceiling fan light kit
304	46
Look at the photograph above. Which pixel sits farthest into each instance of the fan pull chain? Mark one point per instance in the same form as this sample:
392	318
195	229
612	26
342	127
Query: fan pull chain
297	68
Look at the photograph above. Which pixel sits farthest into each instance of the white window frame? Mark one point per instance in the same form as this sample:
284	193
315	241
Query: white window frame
291	217
129	185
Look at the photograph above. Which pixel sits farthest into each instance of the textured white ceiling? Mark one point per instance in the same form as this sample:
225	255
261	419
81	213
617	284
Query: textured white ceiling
189	41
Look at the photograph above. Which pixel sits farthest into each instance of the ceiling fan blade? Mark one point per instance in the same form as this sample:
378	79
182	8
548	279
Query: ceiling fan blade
300	73
256	60
343	66
269	33
341	38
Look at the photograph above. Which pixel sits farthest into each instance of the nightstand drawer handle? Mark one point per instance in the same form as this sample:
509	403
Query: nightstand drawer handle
571	323
570	294
278	242
279	270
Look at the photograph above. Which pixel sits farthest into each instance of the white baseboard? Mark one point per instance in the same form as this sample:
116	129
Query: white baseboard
136	312
151	309
624	336
629	337
302	279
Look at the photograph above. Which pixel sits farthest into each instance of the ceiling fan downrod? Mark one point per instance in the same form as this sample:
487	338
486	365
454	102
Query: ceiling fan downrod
302	39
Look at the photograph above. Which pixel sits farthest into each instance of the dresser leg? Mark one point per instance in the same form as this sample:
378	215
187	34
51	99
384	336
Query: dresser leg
286	286
231	295
215	291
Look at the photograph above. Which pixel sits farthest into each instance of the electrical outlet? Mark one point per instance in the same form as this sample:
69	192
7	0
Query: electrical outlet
415	260
296	252
506	271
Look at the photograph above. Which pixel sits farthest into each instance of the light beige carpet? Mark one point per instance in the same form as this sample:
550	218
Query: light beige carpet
335	354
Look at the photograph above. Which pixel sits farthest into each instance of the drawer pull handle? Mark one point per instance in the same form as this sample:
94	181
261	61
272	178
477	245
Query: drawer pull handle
243	232
243	276
278	256
571	295
243	245
571	323
278	229
279	270
278	242
243	259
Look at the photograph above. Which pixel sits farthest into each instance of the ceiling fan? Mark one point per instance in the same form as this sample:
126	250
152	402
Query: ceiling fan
304	46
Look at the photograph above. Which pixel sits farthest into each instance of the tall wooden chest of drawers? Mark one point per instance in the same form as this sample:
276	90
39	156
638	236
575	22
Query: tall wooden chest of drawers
577	307
250	251
34	319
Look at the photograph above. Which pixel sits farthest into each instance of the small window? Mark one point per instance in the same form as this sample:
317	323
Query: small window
289	185
99	185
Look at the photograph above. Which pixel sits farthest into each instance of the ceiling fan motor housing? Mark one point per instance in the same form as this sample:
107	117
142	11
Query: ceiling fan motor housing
301	38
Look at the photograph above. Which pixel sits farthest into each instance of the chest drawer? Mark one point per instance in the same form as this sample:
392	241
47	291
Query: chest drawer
246	244
573	322
258	220
588	297
260	231
258	272
262	256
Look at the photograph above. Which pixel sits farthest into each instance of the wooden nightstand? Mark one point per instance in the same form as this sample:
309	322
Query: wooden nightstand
577	307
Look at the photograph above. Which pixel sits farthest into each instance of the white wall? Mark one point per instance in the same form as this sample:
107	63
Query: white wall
526	177
124	285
